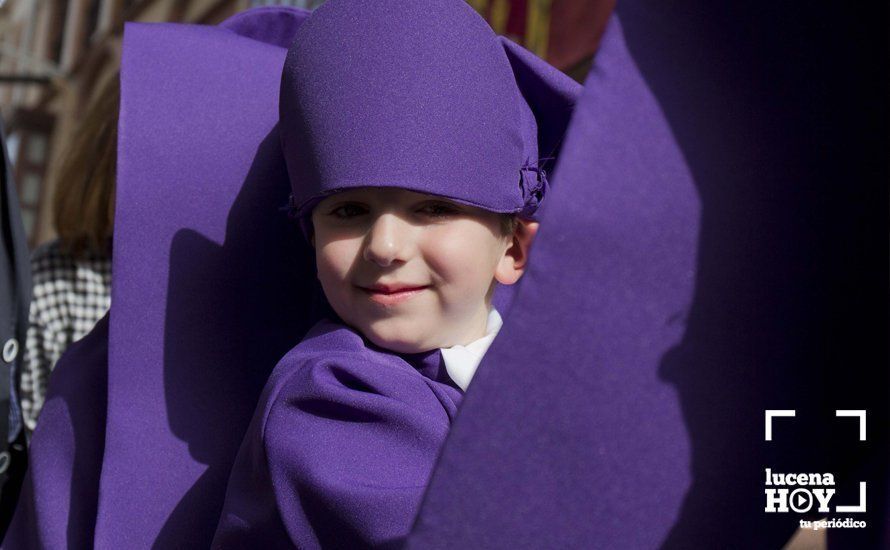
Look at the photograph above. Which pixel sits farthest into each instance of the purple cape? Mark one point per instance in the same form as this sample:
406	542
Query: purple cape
199	314
341	446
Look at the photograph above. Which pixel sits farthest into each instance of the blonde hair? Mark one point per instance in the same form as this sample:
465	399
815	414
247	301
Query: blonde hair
83	203
509	223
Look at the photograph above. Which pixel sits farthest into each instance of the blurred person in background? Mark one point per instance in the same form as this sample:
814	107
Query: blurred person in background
15	293
72	274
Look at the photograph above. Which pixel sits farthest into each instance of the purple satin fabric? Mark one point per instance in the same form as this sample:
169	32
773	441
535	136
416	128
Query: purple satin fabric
341	447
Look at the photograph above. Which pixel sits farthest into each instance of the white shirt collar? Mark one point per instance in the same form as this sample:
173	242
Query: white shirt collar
461	361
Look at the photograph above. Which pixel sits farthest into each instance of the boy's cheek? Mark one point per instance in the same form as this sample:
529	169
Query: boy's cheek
332	282
465	266
334	258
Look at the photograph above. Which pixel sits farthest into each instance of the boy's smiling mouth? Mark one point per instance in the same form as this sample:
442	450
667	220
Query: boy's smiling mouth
392	294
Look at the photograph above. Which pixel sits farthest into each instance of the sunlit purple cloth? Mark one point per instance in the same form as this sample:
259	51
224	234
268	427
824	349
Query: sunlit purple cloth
136	452
341	446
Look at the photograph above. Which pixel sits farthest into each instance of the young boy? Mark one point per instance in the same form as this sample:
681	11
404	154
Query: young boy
413	158
413	272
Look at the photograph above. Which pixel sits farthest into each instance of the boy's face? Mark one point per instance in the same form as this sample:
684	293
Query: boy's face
411	272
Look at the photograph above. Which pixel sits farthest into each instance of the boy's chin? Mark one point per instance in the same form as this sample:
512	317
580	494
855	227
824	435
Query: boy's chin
399	341
400	345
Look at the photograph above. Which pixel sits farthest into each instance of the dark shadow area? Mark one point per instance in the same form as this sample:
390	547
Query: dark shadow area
71	432
780	110
232	311
85	381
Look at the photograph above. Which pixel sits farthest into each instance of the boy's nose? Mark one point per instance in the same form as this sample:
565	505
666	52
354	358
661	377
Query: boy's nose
386	241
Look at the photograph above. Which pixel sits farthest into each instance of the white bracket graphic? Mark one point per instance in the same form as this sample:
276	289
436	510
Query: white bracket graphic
770	413
857	412
860	507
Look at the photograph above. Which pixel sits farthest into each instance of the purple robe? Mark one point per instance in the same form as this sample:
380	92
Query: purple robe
341	446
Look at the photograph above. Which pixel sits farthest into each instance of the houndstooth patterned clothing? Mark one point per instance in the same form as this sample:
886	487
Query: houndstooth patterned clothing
69	297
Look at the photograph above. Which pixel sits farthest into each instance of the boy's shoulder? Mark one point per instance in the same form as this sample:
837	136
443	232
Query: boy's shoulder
336	366
330	339
329	336
331	348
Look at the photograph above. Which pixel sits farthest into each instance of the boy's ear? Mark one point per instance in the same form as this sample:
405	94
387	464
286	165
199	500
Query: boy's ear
512	265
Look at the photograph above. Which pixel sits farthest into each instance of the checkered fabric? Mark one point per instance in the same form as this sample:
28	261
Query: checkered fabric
69	297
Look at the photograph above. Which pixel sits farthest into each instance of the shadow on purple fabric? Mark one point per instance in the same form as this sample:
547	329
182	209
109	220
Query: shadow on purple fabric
72	443
775	109
142	440
784	314
168	291
266	269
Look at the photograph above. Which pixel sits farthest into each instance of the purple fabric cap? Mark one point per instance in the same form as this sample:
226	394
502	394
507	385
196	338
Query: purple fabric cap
420	95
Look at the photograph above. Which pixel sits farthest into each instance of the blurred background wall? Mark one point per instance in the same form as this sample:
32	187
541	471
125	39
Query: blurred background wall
56	54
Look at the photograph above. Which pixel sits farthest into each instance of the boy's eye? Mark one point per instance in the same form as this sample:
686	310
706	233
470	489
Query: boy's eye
346	211
438	209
